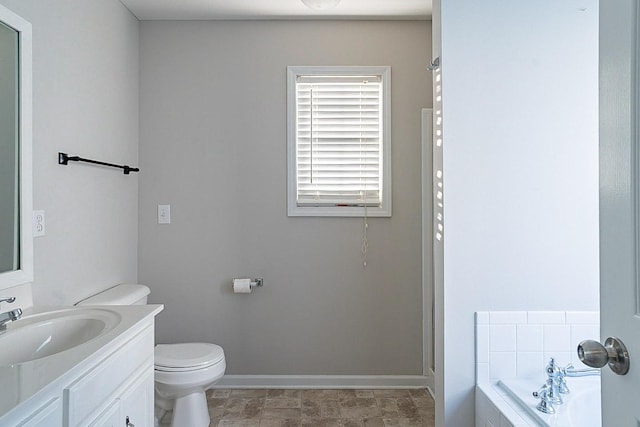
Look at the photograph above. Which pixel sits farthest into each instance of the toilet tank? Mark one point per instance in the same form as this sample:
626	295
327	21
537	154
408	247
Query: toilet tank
123	294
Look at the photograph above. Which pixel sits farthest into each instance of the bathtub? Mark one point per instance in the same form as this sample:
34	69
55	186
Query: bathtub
581	406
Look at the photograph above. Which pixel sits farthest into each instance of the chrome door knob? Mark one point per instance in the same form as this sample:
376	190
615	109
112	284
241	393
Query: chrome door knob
593	354
612	353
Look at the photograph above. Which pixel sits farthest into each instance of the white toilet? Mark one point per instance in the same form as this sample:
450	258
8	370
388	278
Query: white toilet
183	372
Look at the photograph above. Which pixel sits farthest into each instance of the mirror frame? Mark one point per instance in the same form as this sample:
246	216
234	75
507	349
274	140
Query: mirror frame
25	273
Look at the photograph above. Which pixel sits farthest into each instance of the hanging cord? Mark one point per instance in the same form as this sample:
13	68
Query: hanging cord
311	136
365	243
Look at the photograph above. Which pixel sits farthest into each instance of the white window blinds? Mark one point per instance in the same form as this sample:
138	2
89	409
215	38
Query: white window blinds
339	141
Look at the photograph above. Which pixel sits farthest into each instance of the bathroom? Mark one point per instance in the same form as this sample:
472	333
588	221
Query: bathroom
108	86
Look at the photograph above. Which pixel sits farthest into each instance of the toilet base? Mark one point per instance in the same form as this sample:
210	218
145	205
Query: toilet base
191	410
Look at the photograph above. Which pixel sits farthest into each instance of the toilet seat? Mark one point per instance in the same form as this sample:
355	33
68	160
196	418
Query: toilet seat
187	356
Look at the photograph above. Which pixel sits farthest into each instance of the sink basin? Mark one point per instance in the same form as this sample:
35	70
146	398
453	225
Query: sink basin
45	334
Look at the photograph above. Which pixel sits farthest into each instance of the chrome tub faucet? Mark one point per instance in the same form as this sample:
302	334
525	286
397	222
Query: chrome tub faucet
556	385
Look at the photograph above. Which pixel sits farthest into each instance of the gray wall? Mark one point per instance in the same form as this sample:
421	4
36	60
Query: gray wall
213	145
85	102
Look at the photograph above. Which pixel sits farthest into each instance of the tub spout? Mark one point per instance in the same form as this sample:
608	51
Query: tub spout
570	371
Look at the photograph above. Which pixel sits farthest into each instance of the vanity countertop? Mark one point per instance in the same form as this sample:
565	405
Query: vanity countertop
26	381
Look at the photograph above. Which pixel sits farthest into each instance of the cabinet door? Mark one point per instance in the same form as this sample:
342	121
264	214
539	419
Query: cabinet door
136	402
104	382
110	417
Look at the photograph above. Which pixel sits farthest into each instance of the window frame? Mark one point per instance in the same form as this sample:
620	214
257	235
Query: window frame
384	210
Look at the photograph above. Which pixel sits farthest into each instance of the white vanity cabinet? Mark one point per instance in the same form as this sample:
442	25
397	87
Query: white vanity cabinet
112	417
48	415
100	385
136	407
124	379
132	407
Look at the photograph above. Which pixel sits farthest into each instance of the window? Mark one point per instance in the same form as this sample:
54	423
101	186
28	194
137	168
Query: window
339	144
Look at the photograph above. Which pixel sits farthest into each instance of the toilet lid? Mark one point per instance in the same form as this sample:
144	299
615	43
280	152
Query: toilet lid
186	356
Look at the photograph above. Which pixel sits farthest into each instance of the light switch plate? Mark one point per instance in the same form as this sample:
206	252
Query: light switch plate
164	214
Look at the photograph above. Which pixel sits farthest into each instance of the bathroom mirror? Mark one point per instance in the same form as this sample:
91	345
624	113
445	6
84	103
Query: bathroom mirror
16	246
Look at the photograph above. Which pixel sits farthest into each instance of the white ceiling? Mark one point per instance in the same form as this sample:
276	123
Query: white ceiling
276	9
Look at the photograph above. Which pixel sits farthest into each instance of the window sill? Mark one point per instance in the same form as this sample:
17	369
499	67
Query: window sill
339	211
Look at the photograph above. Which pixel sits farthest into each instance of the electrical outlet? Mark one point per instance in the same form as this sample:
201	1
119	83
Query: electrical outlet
164	214
38	223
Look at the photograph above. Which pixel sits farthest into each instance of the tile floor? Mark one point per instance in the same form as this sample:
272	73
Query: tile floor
326	408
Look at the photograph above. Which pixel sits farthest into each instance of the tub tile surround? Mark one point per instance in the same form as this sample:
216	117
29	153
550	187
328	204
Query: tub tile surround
519	344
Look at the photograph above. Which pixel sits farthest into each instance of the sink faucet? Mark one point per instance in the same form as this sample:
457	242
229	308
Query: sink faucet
10	315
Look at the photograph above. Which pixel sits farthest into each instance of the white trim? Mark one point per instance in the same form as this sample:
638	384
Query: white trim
323	381
431	381
292	208
427	245
438	221
25	273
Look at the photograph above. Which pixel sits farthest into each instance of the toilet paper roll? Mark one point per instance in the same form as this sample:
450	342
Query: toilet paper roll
242	286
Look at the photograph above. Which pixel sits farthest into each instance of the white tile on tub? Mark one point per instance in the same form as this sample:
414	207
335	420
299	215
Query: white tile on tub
530	364
546	317
482	373
502	365
482	343
584	332
507	317
529	337
492	392
583	317
575	361
502	337
482	317
562	358
556	338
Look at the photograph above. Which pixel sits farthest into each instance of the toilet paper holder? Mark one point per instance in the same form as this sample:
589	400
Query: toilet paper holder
254	283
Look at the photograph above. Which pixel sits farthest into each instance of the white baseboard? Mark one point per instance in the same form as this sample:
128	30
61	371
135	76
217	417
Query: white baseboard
323	381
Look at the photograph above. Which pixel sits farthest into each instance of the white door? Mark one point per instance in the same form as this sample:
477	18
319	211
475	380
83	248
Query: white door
620	204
